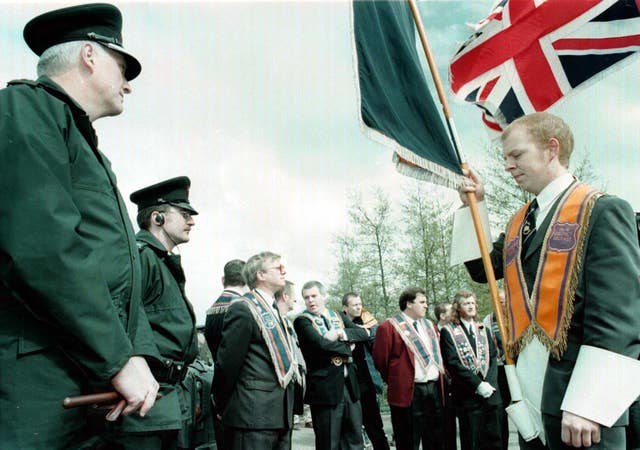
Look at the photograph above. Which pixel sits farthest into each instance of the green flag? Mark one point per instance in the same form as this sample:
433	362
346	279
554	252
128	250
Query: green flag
396	106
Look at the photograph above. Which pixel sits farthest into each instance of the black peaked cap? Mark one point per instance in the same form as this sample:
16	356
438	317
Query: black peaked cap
98	22
174	191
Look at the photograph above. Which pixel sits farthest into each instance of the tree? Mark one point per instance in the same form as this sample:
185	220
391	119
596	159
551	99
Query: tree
375	239
349	267
365	252
427	231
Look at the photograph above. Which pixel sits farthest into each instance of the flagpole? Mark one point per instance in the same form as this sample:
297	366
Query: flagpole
471	196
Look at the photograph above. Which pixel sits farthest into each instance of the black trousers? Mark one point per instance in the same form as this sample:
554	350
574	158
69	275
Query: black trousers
243	439
480	427
371	418
633	429
610	438
337	427
449	419
422	421
503	387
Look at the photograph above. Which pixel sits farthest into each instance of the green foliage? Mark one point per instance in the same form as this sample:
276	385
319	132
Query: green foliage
387	249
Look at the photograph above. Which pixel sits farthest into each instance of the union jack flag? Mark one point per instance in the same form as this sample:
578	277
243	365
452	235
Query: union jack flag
529	54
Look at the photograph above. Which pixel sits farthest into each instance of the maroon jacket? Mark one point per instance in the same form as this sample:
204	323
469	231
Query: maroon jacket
395	363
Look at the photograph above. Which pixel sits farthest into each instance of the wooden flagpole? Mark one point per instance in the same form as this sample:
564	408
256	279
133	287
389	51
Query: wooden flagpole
471	196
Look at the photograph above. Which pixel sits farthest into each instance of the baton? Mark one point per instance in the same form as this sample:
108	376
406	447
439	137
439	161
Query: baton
93	399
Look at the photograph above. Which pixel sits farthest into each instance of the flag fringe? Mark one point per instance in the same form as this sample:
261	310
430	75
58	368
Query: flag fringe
417	167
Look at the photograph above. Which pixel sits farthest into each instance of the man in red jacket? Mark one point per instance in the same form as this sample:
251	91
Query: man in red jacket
406	348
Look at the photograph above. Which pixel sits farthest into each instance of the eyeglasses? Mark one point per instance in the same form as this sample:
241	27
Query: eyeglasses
280	269
185	214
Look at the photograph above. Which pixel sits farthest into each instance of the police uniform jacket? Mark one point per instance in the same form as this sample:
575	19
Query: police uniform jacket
68	252
172	320
69	270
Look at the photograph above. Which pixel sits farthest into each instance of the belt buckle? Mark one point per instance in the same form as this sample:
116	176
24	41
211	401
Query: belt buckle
336	361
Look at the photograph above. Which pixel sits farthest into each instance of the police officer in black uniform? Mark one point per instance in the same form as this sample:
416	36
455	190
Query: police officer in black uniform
69	275
165	218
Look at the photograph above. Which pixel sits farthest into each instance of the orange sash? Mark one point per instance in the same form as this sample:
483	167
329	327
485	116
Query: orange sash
548	312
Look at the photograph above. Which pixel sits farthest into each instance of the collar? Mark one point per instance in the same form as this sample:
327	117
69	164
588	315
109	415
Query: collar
466	323
407	318
547	196
59	91
269	298
233	292
148	238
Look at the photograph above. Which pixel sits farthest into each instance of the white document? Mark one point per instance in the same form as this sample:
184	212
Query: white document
464	244
603	385
530	369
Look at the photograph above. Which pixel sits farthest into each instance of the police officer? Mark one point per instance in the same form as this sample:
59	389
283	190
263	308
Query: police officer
69	275
165	218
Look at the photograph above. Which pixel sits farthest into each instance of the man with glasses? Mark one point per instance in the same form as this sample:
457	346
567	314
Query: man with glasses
256	367
165	218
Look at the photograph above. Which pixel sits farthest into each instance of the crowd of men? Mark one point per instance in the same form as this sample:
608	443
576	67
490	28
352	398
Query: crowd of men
89	306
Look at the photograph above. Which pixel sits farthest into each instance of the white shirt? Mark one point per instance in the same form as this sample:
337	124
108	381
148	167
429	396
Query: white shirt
432	372
467	324
548	196
533	358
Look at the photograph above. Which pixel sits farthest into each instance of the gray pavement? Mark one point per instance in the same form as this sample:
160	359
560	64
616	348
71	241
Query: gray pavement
303	439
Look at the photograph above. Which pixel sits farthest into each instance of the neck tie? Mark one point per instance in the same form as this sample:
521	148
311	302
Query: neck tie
415	326
529	227
277	314
327	324
472	338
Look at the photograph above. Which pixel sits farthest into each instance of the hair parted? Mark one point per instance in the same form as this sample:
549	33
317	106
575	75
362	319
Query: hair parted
347	296
543	126
460	297
311	284
409	295
254	265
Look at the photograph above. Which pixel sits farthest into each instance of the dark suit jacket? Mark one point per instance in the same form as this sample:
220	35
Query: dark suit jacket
396	365
325	381
464	381
606	309
246	388
213	323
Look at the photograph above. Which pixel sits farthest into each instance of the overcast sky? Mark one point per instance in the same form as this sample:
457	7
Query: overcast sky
256	103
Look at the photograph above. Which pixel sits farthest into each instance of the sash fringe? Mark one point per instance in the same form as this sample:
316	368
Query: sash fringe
556	347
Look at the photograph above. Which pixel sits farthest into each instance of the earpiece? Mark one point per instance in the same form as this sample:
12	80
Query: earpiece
159	219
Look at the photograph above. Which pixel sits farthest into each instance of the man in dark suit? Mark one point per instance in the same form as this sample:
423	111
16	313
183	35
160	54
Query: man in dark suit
493	332
234	287
253	388
470	358
571	264
407	354
369	380
332	385
442	313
